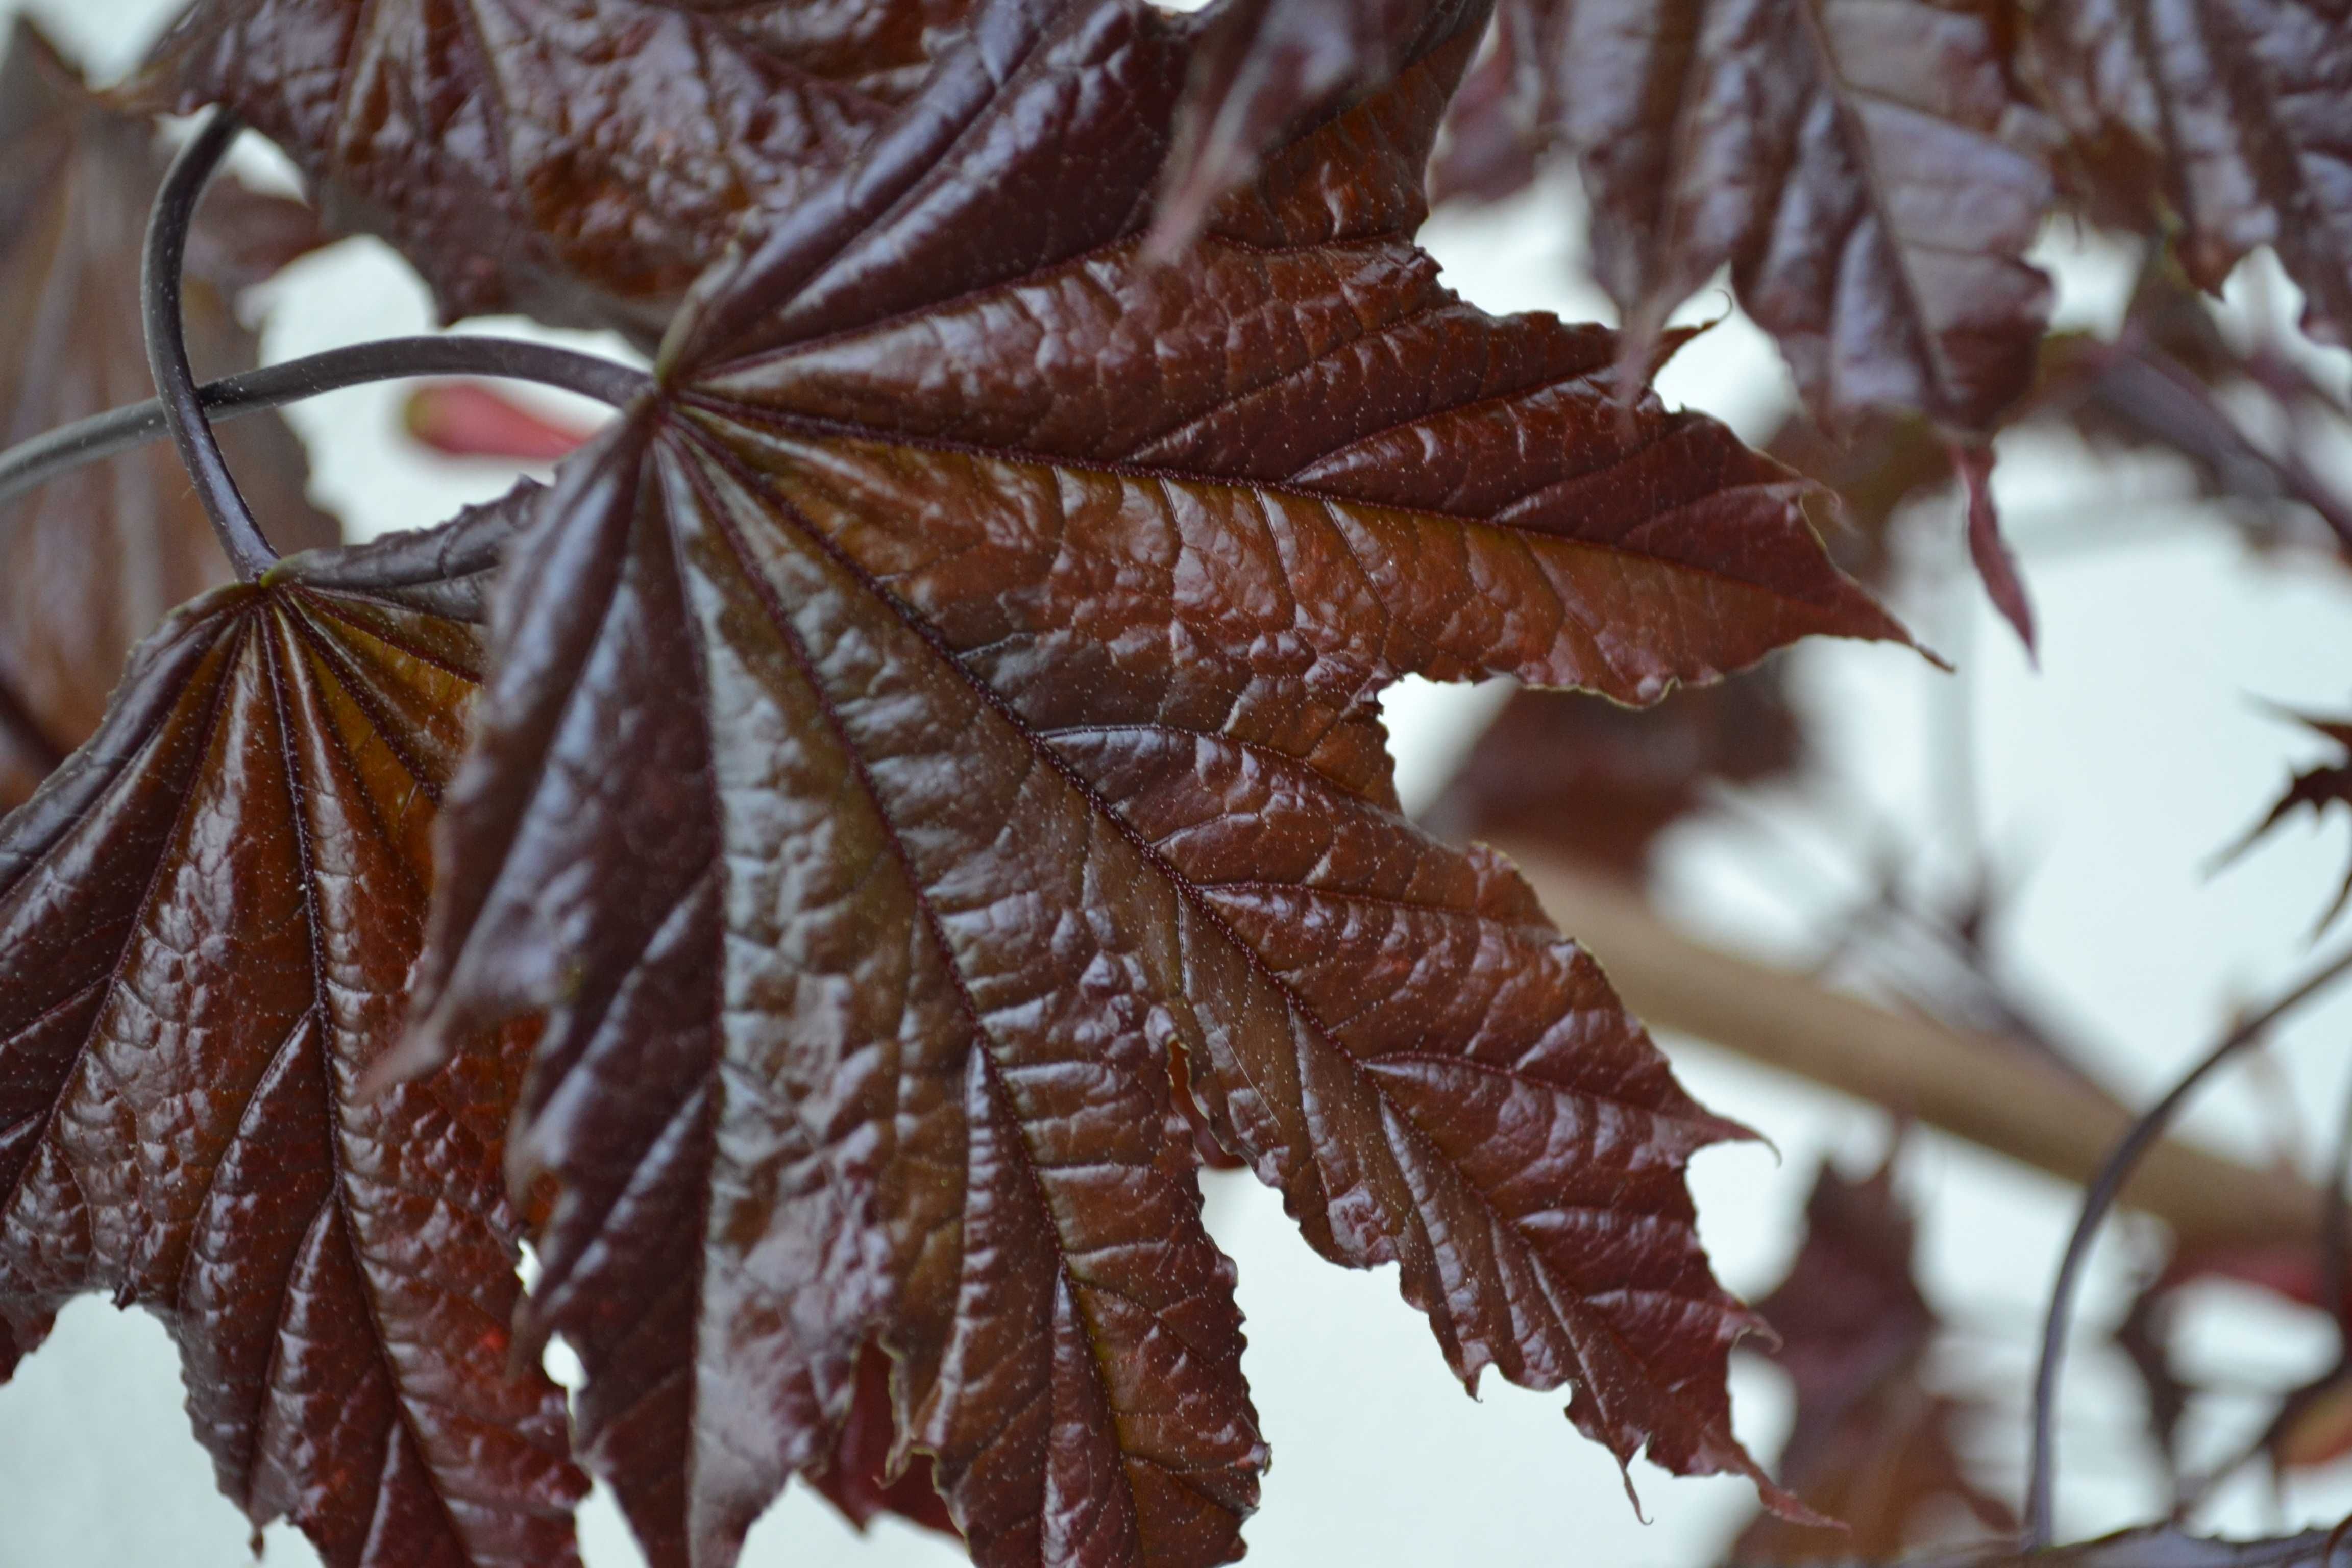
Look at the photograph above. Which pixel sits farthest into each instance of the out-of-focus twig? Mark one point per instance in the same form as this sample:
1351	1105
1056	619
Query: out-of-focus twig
2106	1188
1977	1088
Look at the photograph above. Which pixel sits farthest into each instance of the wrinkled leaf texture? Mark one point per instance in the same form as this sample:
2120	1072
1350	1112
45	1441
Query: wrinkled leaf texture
1857	163
207	918
89	563
580	161
1863	167
953	693
1269	69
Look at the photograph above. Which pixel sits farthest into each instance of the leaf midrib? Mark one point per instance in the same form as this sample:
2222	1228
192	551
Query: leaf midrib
1186	889
711	407
380	1339
985	1039
1865	157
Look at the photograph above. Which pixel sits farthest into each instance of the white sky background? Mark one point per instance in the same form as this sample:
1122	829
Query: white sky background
2105	783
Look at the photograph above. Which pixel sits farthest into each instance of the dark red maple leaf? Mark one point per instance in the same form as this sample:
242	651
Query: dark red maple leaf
2166	383
955	692
2173	381
867	1477
1267	70
1857	167
1860	168
91	561
2229	121
2315	789
1599	782
207	918
1494	144
1871	1446
581	162
1988	551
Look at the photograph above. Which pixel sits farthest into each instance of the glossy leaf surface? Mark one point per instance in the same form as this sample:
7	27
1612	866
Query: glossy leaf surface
1270	69
1494	142
955	694
1855	164
2231	119
207	918
2170	384
90	561
579	162
866	1478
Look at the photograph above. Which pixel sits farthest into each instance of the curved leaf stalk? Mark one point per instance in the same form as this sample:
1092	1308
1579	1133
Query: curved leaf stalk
2334	1222
2097	1198
45	456
248	550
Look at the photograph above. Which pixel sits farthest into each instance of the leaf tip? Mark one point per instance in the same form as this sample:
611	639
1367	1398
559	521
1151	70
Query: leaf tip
1996	565
467	419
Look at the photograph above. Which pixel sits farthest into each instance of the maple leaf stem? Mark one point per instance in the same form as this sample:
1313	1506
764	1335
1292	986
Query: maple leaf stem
68	447
2333	1240
241	538
2099	1196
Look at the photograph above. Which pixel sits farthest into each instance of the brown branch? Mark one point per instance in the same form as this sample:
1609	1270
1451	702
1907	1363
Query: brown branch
1976	1087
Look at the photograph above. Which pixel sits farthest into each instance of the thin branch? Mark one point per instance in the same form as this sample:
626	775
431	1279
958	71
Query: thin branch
1863	929
44	458
2151	388
2331	1283
1972	1085
2331	1238
1951	740
1976	1086
241	538
2098	1198
1980	989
